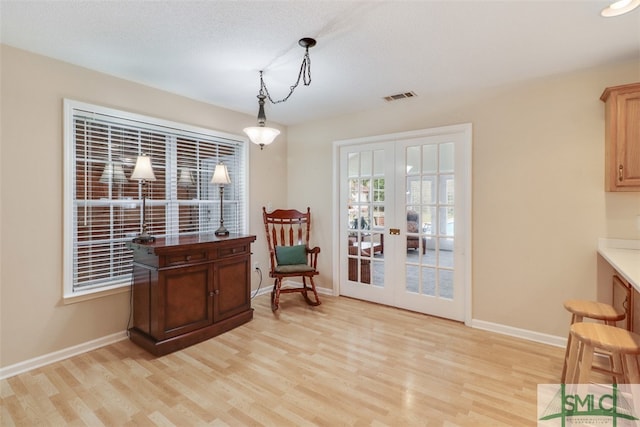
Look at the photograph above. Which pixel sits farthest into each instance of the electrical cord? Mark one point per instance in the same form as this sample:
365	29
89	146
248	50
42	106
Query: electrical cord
259	283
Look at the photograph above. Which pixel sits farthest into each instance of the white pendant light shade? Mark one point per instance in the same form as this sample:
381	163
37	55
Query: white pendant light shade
220	175
261	135
620	7
143	169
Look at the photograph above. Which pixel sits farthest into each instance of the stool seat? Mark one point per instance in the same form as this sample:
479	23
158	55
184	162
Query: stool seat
610	338
594	310
621	344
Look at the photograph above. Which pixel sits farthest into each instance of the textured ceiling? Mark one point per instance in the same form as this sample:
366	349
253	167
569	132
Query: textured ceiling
212	50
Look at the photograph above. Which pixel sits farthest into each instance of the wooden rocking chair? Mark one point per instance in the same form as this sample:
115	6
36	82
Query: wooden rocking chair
288	233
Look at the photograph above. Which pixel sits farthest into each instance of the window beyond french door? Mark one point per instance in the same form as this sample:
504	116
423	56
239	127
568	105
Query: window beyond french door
404	216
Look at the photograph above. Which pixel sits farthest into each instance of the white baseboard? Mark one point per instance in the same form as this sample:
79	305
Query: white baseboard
520	333
56	356
268	289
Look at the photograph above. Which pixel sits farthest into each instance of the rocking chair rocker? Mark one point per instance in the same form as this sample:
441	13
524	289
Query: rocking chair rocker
288	232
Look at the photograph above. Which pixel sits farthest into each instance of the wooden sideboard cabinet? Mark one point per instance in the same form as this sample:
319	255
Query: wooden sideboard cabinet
188	289
622	137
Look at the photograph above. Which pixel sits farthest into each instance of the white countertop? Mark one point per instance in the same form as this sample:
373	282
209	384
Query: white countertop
624	257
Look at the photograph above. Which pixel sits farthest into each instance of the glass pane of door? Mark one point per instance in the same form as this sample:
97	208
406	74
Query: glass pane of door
366	217
430	210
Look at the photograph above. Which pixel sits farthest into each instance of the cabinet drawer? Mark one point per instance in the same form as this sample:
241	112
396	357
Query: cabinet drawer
182	258
231	251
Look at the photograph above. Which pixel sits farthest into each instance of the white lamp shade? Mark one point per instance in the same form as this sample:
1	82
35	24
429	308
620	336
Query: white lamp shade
620	7
261	135
143	169
185	179
113	172
220	175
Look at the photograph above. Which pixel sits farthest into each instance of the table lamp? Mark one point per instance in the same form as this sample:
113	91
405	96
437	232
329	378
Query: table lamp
143	172
221	176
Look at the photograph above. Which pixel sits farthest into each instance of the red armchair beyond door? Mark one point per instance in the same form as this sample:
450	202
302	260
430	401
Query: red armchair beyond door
413	226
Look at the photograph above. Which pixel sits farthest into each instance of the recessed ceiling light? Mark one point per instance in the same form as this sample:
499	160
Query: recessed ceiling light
620	7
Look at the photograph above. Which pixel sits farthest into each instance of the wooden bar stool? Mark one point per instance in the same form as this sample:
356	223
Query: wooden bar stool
623	345
584	309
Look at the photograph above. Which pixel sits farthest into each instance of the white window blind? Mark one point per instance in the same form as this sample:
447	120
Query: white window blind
103	207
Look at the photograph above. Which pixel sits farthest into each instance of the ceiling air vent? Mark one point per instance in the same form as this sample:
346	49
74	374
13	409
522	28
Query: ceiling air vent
399	96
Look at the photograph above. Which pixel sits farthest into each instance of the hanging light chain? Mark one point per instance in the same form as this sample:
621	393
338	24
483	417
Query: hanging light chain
304	75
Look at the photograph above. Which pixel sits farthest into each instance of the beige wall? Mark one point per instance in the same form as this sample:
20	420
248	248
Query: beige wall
33	319
539	203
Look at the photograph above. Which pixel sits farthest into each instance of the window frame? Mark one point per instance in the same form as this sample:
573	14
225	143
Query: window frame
71	109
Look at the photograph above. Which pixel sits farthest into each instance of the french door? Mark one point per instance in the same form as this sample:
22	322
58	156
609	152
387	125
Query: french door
404	220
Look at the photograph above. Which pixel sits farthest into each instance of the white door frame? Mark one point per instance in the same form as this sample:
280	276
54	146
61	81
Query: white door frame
464	175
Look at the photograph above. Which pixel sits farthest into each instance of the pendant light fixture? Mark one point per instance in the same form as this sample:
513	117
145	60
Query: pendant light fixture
262	135
619	7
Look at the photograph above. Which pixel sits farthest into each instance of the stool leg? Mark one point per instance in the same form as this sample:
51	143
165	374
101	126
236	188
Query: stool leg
574	318
572	360
584	366
567	359
617	367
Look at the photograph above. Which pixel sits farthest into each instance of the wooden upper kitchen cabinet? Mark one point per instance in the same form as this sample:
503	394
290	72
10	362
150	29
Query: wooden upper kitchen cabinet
622	137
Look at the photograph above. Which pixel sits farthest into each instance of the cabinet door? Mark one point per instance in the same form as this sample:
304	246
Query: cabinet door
622	299
635	306
230	282
628	140
183	302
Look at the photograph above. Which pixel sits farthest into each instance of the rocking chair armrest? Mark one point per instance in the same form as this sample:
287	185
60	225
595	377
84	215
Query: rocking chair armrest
315	250
314	256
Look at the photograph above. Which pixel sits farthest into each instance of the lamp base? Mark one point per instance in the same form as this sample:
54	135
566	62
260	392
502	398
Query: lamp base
144	237
222	231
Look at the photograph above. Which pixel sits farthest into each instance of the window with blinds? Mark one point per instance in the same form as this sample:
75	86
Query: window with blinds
103	207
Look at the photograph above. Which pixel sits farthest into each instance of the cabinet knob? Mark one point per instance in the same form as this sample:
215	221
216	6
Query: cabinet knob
214	292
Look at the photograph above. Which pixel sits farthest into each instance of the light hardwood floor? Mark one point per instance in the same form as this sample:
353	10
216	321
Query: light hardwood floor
344	363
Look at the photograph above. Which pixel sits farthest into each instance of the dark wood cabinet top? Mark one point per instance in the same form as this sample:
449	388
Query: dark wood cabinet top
192	242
